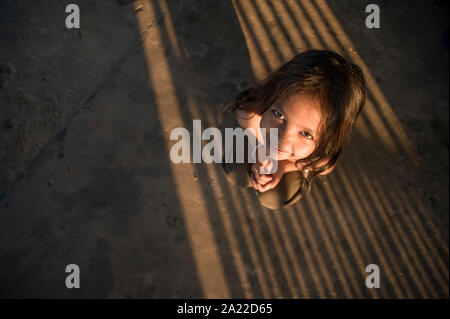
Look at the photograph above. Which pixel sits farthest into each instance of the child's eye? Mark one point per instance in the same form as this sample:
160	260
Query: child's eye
306	134
278	114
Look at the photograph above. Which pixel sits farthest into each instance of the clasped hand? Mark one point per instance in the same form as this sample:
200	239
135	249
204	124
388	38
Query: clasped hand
265	182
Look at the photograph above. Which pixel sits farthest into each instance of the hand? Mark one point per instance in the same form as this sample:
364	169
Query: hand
264	182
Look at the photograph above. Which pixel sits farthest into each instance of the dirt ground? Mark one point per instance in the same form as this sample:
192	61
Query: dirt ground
86	178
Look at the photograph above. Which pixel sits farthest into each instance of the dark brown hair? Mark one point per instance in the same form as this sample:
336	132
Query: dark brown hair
336	82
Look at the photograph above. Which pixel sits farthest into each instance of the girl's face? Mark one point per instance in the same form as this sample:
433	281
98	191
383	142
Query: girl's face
297	119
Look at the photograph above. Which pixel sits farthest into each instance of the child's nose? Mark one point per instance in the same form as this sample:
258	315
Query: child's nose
286	136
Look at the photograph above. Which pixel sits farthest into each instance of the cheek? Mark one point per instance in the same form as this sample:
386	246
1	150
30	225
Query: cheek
269	123
303	149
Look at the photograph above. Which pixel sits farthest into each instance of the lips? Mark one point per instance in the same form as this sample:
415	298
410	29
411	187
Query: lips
280	150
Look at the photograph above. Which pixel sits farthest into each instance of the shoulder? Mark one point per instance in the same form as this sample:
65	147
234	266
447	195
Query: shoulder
247	119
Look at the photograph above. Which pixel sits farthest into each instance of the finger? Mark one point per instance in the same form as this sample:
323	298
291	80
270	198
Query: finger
261	178
255	173
264	162
255	169
253	180
265	188
255	184
264	179
261	181
272	184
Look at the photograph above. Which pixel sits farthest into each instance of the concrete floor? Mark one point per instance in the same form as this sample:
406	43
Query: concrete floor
86	177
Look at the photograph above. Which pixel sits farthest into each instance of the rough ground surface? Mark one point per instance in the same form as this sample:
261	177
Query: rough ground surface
85	175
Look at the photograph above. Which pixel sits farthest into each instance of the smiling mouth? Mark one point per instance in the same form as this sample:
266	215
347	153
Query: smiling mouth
279	150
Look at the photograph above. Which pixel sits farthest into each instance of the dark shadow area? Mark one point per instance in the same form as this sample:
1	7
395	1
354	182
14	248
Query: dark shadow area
409	62
88	199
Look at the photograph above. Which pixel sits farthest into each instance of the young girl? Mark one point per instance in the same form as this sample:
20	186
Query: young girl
313	100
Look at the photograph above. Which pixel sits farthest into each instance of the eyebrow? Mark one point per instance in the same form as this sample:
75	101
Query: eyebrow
311	131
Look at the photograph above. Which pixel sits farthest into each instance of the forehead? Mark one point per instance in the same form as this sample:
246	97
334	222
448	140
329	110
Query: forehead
302	110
